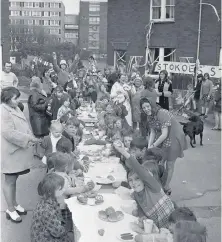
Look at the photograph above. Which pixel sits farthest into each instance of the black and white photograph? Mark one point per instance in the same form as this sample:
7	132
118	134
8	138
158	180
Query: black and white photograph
110	120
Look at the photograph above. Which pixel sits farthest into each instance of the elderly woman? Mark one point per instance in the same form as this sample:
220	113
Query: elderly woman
163	87
120	89
206	96
37	104
17	149
165	133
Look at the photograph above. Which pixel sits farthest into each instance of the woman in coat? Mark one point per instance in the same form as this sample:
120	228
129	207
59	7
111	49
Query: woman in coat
37	104
164	90
17	143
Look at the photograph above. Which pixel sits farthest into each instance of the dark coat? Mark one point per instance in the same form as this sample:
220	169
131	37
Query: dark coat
37	104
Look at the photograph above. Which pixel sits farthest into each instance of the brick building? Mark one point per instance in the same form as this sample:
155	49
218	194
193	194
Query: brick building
93	26
28	16
5	30
175	27
71	28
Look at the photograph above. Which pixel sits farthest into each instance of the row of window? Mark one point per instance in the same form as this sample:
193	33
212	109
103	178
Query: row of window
71	35
35	13
35	5
36	22
162	10
31	31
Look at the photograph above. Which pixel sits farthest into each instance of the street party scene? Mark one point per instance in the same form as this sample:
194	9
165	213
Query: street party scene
93	152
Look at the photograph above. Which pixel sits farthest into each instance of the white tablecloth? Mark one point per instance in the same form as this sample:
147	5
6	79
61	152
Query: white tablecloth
86	219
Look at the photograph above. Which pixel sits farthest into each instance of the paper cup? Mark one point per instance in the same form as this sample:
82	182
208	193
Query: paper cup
148	226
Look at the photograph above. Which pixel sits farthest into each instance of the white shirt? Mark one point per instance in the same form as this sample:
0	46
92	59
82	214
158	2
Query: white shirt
54	142
8	80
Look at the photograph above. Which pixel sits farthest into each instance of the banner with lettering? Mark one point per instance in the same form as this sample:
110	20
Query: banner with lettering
188	68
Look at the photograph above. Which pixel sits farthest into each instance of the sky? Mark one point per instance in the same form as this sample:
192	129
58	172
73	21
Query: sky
71	6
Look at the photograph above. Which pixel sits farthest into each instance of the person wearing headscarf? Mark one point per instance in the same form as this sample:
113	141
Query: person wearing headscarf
164	89
165	132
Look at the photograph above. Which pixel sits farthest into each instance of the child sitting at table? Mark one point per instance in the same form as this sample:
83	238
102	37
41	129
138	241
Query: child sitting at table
62	163
73	131
48	143
151	200
189	231
64	145
47	221
65	108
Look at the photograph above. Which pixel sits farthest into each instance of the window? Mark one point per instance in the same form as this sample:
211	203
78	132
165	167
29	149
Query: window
162	10
54	14
94	20
36	5
15	13
93	36
46	14
163	54
46	23
119	57
47	5
57	22
52	5
41	22
70	35
36	14
56	5
13	4
94	7
93	29
30	21
28	5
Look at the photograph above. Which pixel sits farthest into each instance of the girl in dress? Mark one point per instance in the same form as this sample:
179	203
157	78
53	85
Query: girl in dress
164	132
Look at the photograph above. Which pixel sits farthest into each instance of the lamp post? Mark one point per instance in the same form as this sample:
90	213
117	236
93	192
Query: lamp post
199	32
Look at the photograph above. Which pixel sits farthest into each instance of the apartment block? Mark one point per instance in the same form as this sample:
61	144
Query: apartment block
93	26
48	15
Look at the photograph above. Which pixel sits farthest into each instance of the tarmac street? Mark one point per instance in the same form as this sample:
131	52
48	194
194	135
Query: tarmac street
196	183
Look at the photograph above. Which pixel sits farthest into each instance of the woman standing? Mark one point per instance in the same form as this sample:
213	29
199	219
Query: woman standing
17	149
164	132
164	90
206	96
117	91
37	104
197	89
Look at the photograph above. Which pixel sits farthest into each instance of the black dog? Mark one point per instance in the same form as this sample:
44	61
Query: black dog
192	128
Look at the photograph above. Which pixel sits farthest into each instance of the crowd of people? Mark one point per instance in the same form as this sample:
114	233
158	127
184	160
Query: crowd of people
133	114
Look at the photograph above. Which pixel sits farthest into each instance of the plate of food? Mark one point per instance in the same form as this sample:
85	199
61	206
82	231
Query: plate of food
111	215
126	237
105	180
91	199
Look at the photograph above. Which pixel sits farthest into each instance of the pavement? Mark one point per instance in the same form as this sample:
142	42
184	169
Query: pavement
196	184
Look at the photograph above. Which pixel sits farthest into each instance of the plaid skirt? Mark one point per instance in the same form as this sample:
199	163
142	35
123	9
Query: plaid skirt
161	211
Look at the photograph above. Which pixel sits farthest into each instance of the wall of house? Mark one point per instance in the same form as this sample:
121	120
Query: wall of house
127	20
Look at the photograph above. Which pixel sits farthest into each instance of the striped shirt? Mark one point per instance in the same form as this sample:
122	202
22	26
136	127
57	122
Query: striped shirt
8	80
